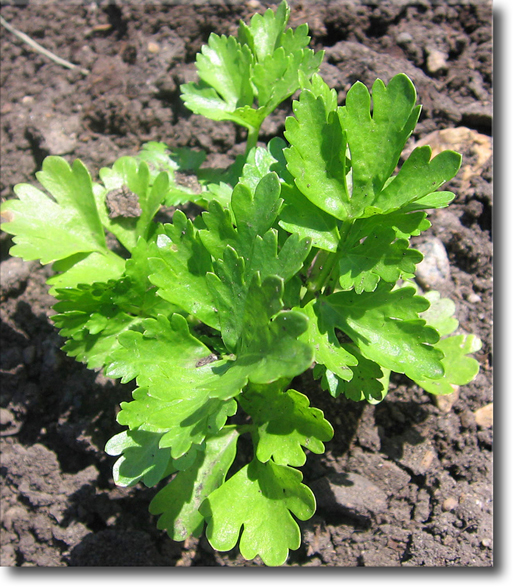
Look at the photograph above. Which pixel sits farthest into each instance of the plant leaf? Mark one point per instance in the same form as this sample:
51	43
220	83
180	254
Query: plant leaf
178	503
404	224
263	35
440	314
225	92
459	368
327	349
50	229
278	76
386	327
434	200
150	355
322	135
85	268
185	396
204	100
141	458
380	256
179	268
272	348
269	349
249	250
299	215
418	177
224	64
366	382
267	495
376	141
266	62
184	417
254	210
317	155
285	423
229	292
158	158
302	217
92	315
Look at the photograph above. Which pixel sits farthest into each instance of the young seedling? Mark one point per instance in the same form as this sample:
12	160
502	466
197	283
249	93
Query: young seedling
301	260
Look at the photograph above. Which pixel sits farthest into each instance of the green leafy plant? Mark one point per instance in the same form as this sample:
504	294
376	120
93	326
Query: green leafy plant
300	260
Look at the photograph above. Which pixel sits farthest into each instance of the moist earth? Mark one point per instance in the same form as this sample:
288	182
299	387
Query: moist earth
406	483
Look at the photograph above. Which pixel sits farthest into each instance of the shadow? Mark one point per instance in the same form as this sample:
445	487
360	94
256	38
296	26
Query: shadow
122	531
394	420
343	414
6	243
116	20
352	517
62	404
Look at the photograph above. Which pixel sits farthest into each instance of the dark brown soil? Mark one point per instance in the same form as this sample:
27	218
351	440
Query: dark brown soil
423	466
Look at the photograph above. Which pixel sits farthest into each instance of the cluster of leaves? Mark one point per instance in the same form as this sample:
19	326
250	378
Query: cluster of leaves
262	65
301	259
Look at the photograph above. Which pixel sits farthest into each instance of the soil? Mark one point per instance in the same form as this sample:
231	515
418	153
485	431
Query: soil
406	483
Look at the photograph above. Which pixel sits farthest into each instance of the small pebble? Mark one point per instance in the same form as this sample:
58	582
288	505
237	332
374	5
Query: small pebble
473	298
404	38
467	419
6	417
445	402
449	504
427	460
434	270
436	61
484	416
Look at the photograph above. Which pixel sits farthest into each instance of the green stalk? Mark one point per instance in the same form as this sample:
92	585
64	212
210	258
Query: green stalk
320	274
324	273
246	428
252	139
345	240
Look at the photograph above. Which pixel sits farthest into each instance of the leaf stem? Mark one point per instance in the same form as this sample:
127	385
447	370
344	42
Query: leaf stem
324	272
252	139
320	274
245	428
